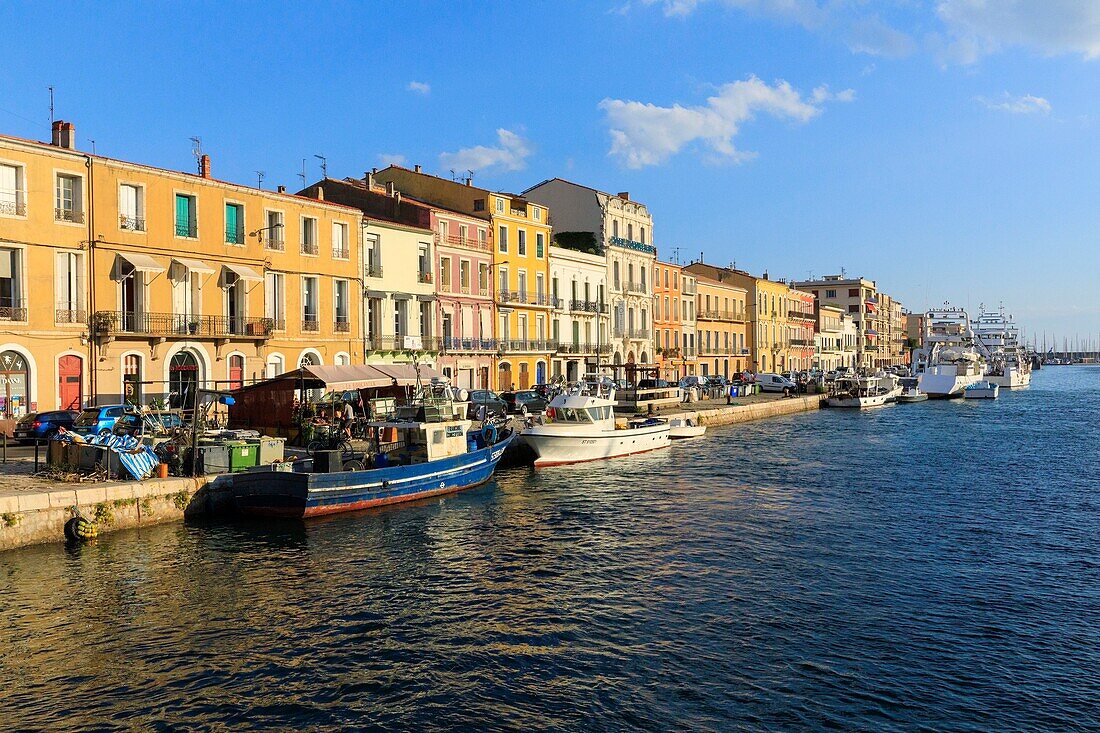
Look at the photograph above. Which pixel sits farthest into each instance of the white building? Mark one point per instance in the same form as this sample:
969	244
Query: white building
836	341
578	283
623	229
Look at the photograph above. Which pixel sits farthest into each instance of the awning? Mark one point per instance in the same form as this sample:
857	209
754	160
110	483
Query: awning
127	263
233	273
352	376
193	265
425	298
402	296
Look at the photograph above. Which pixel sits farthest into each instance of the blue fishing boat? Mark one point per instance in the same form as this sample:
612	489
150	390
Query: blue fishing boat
413	460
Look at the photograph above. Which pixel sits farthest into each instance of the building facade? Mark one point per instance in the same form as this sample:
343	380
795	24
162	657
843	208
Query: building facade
520	281
623	229
835	340
802	322
674	320
877	317
721	325
128	282
578	284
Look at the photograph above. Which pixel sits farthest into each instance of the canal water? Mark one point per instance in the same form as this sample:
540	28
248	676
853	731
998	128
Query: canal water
932	566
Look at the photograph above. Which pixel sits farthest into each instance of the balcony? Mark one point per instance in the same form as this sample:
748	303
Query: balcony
341	252
648	249
341	326
374	270
131	223
707	314
520	345
464	289
424	277
526	297
456	240
798	315
72	216
234	236
719	351
275	242
633	287
310	324
64	313
451	343
580	347
802	342
310	248
14	208
187	229
114	323
402	343
637	333
13	309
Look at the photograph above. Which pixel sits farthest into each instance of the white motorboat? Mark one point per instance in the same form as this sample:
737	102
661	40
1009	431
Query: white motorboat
910	391
685	427
999	337
949	361
861	393
984	390
579	425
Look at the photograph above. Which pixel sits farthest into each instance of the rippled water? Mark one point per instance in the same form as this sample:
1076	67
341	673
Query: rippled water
932	566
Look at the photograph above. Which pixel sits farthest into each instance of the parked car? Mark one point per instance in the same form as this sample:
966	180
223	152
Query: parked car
43	425
524	401
98	420
152	423
717	380
775	383
692	380
654	384
494	405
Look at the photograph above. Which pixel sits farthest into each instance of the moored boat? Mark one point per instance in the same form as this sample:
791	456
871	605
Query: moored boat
910	391
949	361
984	390
685	427
860	393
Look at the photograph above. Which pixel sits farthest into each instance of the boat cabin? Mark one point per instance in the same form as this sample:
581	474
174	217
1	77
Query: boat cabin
408	443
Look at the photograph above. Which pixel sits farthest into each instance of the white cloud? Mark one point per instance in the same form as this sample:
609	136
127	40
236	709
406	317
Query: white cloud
510	155
419	87
979	27
646	134
392	159
1025	104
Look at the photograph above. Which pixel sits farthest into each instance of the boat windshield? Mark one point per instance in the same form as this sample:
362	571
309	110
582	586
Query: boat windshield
571	414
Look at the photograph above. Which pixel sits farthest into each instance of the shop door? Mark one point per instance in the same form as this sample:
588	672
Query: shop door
70	377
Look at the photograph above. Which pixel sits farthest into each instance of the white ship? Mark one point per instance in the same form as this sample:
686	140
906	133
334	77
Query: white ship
579	425
863	392
948	361
1008	362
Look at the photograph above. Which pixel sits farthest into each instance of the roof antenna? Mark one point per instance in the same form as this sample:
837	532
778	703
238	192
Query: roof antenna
51	105
196	149
93	145
260	179
471	174
324	165
454	176
302	175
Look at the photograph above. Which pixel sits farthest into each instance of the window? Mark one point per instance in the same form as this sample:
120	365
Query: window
445	273
854	308
502	234
234	224
483	278
614	227
540	288
186	221
68	199
630	231
538	215
481	234
853	292
641	234
615	275
464	275
310	319
500	206
309	236
521	284
274	366
644	271
131	379
830	293
274	234
424	265
503	280
540	245
69	288
521	242
340	248
131	207
12	306
372	258
340	310
275	299
479	204
13	194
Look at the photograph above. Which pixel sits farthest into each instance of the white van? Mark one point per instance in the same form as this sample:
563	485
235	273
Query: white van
775	383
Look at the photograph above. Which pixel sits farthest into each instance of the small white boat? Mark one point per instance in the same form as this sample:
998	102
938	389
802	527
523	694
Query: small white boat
982	391
685	427
861	393
910	390
579	425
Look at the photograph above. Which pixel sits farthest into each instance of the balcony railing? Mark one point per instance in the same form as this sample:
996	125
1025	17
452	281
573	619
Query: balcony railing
516	345
341	326
526	296
374	270
131	223
632	287
402	343
451	343
275	242
70	215
801	315
708	314
186	229
310	324
718	350
341	252
423	277
13	309
637	333
580	347
588	306
483	291
457	240
171	324
802	342
65	313
234	236
310	248
13	208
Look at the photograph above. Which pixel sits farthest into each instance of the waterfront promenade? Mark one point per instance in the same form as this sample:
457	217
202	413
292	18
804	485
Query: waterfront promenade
34	508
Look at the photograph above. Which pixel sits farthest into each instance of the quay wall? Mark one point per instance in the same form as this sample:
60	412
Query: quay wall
30	518
758	410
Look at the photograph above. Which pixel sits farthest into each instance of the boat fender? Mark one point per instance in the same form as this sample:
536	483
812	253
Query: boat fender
80	529
489	433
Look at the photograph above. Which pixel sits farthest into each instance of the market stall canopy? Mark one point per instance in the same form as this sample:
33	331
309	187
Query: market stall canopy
352	376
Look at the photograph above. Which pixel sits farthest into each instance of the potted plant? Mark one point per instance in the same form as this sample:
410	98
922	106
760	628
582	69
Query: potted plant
193	327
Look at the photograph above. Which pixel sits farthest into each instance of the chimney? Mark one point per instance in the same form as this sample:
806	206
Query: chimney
368	179
416	168
204	166
469	181
765	274
320	193
282	189
391	188
64	135
624	195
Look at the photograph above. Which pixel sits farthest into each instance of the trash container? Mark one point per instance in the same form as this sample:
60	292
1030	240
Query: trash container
242	455
270	450
213	459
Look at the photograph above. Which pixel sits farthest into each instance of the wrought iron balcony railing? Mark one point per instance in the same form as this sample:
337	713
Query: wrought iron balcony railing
179	324
799	315
310	324
69	215
452	343
275	241
187	229
234	236
402	343
13	208
633	287
374	270
13	309
457	240
341	326
310	248
131	223
65	313
587	306
341	252
423	277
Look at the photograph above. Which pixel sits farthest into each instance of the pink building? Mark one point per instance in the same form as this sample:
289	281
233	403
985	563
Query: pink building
465	309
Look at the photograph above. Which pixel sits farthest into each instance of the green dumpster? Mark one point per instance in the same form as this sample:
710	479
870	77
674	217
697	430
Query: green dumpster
242	455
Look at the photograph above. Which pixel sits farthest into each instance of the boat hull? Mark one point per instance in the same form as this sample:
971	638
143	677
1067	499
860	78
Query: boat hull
912	398
687	431
558	447
297	495
1012	378
861	403
946	384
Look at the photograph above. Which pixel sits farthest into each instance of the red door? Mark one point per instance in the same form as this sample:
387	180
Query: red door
70	377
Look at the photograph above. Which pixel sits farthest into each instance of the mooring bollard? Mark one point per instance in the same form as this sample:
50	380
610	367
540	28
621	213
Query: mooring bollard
5	448
36	455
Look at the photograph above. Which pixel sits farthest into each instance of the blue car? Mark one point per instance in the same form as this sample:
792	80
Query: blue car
98	420
43	425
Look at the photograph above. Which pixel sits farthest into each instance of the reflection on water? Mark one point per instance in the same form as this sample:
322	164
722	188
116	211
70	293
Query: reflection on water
932	564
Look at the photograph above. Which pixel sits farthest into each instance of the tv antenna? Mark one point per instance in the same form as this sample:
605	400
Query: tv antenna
196	149
471	174
676	255
260	179
324	165
51	105
302	175
454	176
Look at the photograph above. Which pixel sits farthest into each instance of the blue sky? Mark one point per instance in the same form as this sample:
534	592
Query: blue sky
948	149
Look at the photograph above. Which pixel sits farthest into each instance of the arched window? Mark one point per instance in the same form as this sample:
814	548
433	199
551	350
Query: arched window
275	366
15	390
131	380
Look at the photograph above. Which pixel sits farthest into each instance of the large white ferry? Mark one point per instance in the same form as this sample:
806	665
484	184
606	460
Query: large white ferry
948	362
579	425
1009	364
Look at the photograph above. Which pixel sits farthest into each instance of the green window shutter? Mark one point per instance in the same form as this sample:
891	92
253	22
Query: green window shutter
230	223
183	211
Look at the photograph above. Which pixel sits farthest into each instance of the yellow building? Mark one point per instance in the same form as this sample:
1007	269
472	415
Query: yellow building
137	283
521	238
721	328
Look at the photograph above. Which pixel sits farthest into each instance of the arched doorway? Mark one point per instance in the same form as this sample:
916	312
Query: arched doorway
70	382
645	358
236	371
183	380
524	376
504	376
540	372
630	357
16	378
571	370
131	379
